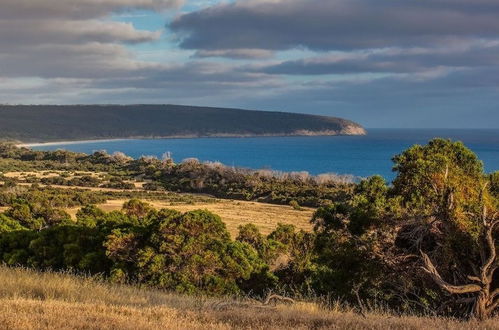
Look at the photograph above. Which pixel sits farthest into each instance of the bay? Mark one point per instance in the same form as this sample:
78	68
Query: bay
355	155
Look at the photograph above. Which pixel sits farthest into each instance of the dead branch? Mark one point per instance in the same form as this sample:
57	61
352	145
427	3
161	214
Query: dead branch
362	308
435	275
278	298
486	271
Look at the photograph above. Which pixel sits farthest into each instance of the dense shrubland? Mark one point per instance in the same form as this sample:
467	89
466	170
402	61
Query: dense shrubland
263	185
425	243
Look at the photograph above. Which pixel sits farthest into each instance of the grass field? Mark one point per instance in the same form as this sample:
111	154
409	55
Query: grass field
32	300
235	213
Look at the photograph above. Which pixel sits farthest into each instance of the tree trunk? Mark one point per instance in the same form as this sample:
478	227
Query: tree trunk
480	309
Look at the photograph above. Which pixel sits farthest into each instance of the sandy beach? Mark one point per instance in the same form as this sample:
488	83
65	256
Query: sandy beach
41	144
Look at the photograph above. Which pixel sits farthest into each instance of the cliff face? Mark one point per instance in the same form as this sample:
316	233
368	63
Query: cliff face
353	129
77	122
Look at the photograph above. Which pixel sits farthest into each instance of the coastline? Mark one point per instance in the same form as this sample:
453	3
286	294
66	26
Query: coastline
55	143
297	134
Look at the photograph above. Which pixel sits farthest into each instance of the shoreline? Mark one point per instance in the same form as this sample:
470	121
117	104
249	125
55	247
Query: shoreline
70	142
41	144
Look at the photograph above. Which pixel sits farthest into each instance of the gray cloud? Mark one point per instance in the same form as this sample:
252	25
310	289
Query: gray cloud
43	32
462	99
67	51
70	38
380	62
76	9
466	54
335	24
241	53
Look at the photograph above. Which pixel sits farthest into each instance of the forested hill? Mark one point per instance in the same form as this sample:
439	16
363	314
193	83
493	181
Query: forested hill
44	123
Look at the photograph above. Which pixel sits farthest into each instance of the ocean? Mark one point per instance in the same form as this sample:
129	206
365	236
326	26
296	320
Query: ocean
360	156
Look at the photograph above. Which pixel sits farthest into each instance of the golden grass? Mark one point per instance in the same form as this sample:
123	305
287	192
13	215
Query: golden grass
48	174
234	213
22	176
31	300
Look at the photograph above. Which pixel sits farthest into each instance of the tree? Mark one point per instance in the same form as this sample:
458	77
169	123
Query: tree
454	222
424	172
136	208
88	215
8	224
189	252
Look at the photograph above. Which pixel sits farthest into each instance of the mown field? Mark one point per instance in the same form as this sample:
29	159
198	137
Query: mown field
32	300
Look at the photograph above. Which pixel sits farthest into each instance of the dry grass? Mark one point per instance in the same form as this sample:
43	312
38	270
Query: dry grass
49	174
234	213
31	300
33	314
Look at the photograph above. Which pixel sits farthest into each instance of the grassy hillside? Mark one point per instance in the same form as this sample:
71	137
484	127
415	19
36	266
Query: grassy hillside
52	123
32	300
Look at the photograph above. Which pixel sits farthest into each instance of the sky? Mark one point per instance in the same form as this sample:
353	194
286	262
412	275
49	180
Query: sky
382	63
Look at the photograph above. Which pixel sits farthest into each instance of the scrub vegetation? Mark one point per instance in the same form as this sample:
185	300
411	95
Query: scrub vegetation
424	245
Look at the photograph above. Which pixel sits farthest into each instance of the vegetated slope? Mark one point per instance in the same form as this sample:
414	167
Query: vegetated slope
33	300
76	122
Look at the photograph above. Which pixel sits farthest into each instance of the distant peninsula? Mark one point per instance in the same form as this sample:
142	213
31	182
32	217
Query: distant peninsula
52	123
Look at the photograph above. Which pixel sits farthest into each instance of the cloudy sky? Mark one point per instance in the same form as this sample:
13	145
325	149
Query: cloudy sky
383	63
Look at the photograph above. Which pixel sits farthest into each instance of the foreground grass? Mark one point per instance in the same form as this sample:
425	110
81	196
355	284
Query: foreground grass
32	300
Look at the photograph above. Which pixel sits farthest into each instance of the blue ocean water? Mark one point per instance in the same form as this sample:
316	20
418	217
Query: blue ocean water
356	155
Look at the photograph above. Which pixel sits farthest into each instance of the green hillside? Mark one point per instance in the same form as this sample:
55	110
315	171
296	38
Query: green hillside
42	123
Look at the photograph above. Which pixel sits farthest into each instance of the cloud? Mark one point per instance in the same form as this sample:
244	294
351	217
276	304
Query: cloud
461	99
43	32
236	53
335	24
71	38
75	42
77	9
380	62
466	54
55	51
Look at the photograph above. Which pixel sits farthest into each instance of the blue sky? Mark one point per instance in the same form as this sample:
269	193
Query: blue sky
383	63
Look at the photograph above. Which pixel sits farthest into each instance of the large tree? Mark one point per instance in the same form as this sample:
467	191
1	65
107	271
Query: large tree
454	219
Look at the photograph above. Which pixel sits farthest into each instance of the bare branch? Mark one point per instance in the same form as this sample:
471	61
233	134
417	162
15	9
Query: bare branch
359	301
485	273
494	294
275	297
474	279
492	307
455	289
